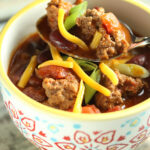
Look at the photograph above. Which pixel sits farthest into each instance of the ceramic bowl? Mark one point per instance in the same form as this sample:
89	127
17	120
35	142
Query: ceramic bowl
49	128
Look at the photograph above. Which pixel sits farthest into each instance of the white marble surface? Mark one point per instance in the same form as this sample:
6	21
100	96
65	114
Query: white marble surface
10	137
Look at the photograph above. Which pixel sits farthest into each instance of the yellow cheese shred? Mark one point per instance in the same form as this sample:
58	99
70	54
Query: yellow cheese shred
28	72
109	73
113	63
78	103
77	69
66	34
96	39
65	64
55	54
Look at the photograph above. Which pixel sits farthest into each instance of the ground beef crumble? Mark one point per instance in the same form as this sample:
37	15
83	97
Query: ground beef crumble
127	85
110	44
61	93
52	12
90	22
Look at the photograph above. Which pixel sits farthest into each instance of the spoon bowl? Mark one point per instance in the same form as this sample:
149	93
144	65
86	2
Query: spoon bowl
44	32
136	41
67	49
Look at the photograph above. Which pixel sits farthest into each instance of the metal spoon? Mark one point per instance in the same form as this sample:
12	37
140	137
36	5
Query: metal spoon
136	41
44	34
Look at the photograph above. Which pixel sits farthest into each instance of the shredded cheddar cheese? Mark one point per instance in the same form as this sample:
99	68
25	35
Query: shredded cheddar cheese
109	73
28	72
78	103
96	39
66	34
77	69
65	64
113	63
55	54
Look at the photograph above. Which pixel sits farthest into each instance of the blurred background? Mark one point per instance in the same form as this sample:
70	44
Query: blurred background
10	7
10	137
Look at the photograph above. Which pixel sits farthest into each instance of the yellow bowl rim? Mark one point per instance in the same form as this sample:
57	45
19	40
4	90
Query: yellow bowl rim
49	110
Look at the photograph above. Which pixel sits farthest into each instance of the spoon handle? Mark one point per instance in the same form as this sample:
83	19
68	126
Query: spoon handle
142	39
140	42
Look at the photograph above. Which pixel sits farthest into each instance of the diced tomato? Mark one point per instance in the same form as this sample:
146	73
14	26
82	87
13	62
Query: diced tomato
78	2
110	22
70	110
116	108
52	71
90	109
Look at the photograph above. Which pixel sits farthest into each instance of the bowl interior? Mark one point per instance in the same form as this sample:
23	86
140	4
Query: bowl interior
22	24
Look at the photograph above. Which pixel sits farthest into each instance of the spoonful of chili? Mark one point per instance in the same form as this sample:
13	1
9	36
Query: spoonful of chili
77	34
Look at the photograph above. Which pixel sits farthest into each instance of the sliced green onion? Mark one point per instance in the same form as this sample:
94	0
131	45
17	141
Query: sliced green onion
89	92
68	36
86	65
133	70
75	12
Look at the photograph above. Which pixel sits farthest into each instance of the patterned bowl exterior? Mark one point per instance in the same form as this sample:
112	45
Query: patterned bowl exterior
57	132
51	132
